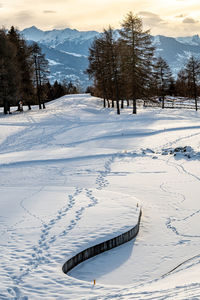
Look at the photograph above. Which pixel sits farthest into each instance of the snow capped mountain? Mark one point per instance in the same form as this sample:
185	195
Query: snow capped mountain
57	37
176	51
67	51
190	40
32	33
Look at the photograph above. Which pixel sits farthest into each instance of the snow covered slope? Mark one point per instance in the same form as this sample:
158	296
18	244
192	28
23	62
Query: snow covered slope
72	175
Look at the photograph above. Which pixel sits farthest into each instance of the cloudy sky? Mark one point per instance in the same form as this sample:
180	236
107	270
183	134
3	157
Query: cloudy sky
168	17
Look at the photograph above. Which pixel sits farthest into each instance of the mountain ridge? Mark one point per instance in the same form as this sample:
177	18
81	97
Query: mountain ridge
67	51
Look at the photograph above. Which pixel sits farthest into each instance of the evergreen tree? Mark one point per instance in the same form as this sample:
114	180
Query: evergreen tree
58	90
48	91
8	72
172	87
69	88
24	66
20	67
112	63
192	70
104	67
182	83
163	77
41	72
97	67
138	55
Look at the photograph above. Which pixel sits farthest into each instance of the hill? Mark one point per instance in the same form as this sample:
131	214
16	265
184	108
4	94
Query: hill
72	175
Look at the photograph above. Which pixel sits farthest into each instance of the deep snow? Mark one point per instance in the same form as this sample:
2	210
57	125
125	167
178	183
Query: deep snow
72	176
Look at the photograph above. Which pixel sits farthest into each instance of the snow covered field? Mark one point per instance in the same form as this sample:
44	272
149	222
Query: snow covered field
72	175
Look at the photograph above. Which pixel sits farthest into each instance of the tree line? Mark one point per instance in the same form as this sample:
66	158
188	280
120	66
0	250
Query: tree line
124	67
24	74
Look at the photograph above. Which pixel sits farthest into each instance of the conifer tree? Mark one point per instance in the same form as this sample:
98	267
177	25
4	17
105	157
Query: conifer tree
138	57
58	90
163	77
104	67
193	75
97	67
182	83
69	88
24	66
112	62
41	72
8	72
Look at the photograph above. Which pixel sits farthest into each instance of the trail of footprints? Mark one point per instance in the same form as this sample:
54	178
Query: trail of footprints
170	220
40	253
101	180
174	229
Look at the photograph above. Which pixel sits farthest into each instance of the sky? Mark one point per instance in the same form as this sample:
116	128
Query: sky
167	17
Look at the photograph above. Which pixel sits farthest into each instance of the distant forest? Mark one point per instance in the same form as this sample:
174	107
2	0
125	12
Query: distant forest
124	67
24	74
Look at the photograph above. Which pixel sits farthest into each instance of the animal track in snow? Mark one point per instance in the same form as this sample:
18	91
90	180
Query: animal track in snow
101	180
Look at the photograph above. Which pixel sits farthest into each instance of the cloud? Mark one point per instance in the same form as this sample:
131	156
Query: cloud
49	11
148	14
151	19
190	21
181	16
24	15
151	16
61	25
172	17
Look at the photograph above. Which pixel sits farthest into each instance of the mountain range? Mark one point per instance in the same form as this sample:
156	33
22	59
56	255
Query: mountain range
67	51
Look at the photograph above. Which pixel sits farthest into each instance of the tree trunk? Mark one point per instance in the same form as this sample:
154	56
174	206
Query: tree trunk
195	95
43	105
163	102
122	103
108	103
196	104
104	102
134	106
37	83
5	108
118	109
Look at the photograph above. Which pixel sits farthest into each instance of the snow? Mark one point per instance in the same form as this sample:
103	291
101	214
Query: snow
73	54
33	33
73	175
156	41
190	40
53	62
56	36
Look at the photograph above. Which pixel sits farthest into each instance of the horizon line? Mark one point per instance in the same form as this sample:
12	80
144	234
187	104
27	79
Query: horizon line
93	30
